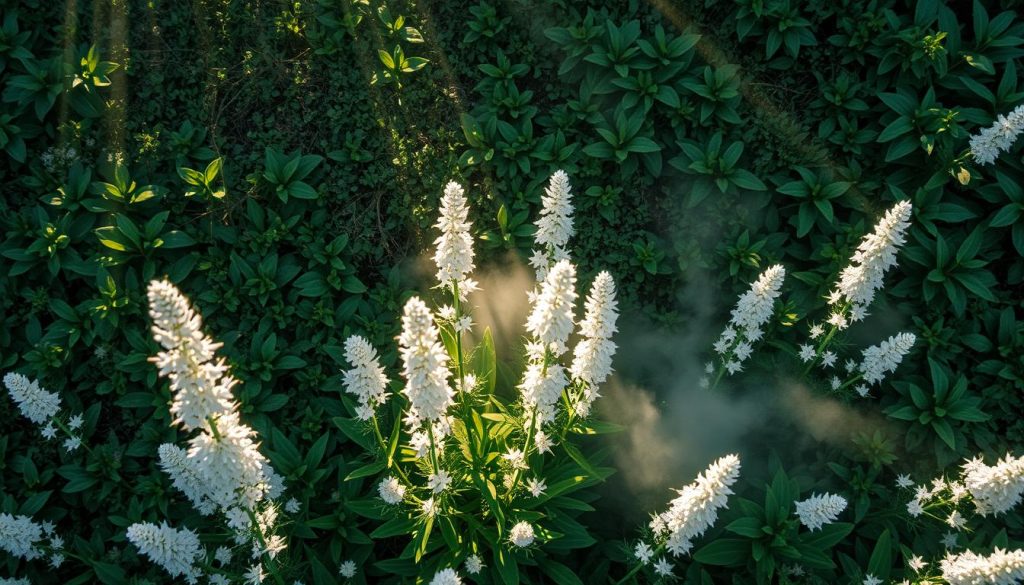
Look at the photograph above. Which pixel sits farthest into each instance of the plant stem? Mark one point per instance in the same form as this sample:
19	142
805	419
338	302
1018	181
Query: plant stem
384	446
71	435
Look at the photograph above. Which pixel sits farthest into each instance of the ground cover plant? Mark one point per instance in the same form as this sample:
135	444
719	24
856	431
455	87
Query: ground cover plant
541	292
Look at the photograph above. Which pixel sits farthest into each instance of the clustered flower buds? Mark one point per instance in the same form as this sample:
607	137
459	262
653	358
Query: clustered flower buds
42	407
995	489
366	380
454	247
753	310
999	137
885	357
554	227
817	511
692	513
222	469
1002	567
176	550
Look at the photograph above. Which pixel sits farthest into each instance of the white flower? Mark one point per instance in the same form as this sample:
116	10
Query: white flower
464	324
836	382
554	226
956	520
366	380
474	564
542	442
428	506
870	579
643	552
806	353
232	470
885	357
663	568
222	555
914	508
185	476
19	535
426	371
875	254
274	545
515	457
536	486
446	577
696	508
49	431
201	387
176	550
995	489
838	320
1000	136
56	560
1002	567
437	482
255	574
828	359
816	511
592	358
75	422
862	390
72	443
755	306
733	367
216	579
542	387
36	404
454	254
817	331
903	480
292	506
949	540
347	569
13	581
551	320
917	563
391	490
521	535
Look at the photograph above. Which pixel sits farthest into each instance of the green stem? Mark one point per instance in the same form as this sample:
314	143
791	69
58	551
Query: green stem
270	564
384	447
71	435
433	452
636	568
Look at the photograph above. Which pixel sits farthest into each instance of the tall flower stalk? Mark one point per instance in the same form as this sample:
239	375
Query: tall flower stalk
752	312
222	471
855	290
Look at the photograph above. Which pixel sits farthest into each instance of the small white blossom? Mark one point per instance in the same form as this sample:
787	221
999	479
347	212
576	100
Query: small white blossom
870	579
75	422
347	569
949	540
19	536
437	482
222	555
474	564
391	490
521	534
643	552
828	359
817	331
806	353
536	486
663	568
903	480
292	506
917	564
446	577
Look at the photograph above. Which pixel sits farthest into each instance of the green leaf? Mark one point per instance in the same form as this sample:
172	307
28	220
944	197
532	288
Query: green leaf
881	557
724	552
366	470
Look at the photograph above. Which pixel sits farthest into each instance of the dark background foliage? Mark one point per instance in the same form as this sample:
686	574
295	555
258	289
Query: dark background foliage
705	142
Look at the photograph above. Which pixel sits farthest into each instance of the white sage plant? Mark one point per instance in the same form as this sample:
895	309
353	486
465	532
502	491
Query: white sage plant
855	290
990	142
222	470
42	407
455	440
688	517
752	312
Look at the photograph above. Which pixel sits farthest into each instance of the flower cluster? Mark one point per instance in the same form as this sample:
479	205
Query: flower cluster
176	550
222	470
752	311
692	513
999	137
454	247
874	256
554	227
42	407
1002	567
425	364
885	357
21	537
995	489
817	511
366	380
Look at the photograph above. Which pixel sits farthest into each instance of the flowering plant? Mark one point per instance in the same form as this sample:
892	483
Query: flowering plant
475	469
